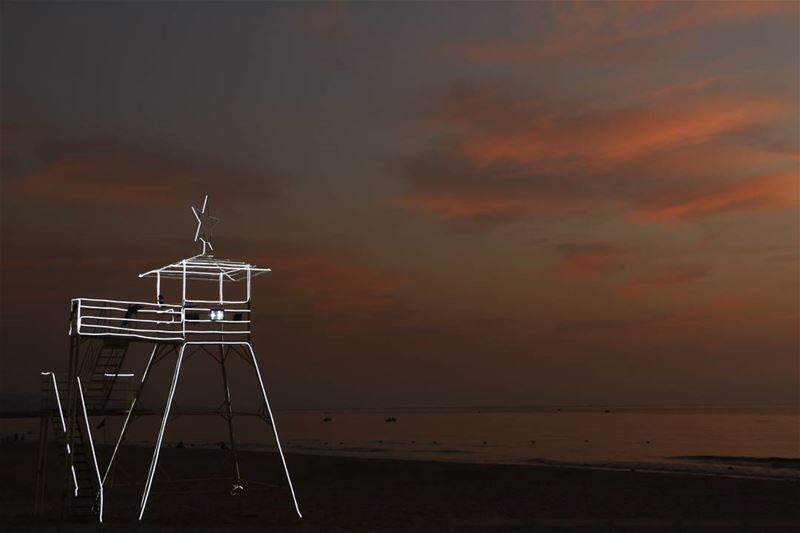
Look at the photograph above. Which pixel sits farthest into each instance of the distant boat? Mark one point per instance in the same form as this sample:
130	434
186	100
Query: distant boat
391	419
327	419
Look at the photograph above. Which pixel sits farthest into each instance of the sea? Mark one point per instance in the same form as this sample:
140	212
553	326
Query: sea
750	442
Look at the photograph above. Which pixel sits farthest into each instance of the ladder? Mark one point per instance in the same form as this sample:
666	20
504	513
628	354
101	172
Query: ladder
82	488
101	378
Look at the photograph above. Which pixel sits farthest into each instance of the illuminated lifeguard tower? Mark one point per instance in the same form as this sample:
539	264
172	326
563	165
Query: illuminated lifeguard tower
101	332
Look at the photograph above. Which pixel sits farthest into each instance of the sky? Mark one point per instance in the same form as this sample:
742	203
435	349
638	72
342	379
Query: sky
463	203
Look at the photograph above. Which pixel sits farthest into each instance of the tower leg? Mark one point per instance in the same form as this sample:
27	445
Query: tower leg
41	471
70	426
129	416
154	462
274	429
237	482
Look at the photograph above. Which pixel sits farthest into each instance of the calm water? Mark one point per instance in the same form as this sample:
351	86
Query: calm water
620	438
700	440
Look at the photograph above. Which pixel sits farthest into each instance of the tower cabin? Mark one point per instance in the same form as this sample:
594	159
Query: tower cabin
194	318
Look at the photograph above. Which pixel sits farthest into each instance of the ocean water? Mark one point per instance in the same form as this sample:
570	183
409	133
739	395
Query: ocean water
749	442
737	442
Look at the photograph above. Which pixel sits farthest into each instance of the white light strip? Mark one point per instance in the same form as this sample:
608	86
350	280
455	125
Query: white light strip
274	428
216	302
119	328
151	304
118	375
128	335
106	308
123	319
140	330
211	309
219	343
63	426
154	462
58	402
215	265
91	445
203	276
200	271
130	411
220	321
216	332
175	311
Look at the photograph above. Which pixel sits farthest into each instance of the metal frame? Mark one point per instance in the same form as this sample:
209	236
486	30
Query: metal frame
165	325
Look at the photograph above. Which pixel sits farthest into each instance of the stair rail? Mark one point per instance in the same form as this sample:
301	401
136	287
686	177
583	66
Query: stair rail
63	425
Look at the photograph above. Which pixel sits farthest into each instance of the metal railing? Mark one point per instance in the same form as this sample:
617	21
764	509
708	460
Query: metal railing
160	322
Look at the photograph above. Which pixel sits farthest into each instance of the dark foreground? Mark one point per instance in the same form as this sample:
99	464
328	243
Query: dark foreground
344	494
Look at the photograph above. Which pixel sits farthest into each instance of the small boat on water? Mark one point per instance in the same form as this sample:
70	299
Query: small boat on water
391	419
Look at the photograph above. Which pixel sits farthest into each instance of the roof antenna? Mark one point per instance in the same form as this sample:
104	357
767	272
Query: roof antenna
205	225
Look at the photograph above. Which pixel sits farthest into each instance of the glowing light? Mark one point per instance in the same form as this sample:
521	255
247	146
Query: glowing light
216	315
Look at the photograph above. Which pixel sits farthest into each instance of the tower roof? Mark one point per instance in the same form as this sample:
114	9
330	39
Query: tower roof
206	267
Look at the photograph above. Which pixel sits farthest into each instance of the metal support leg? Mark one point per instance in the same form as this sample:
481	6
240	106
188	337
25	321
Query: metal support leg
124	429
154	461
91	448
41	471
237	482
274	429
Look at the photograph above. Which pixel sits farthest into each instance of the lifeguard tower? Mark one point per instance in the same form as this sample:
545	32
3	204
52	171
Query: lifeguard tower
101	332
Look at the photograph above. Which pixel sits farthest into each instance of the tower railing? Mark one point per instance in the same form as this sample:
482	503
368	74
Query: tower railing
118	318
199	320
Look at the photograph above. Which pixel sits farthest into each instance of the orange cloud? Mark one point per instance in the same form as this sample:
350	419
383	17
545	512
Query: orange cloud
608	138
115	174
582	261
686	87
664	278
500	155
726	304
772	191
331	284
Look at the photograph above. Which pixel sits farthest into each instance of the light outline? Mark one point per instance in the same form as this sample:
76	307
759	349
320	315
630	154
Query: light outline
91	446
63	427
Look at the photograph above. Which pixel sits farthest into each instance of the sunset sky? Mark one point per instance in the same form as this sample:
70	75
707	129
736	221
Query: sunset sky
463	204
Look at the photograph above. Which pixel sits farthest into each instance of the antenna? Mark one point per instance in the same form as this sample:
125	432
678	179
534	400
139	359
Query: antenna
205	225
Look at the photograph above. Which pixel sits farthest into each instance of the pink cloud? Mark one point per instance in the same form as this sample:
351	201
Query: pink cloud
588	260
664	278
768	192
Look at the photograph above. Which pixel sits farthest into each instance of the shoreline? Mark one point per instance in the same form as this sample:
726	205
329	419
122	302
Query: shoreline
715	466
336	493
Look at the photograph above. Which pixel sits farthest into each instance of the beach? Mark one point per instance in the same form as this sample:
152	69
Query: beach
191	493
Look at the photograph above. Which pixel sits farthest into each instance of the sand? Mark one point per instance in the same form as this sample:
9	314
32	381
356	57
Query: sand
351	494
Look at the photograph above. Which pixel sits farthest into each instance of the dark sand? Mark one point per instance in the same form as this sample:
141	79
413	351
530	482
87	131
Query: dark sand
346	494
